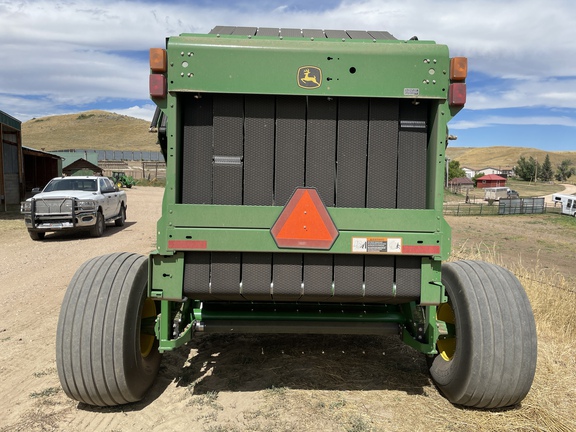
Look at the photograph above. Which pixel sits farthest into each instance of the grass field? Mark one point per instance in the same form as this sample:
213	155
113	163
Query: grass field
503	157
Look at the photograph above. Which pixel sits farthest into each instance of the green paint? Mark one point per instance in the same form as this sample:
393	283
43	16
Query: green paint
414	70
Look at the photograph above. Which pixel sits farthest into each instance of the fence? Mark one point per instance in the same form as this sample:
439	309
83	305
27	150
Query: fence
508	206
121	155
137	164
129	155
137	169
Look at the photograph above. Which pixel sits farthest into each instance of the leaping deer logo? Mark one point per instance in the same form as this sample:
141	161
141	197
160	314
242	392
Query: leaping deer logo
309	77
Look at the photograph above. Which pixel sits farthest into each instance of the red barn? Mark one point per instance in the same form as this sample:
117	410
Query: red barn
490	180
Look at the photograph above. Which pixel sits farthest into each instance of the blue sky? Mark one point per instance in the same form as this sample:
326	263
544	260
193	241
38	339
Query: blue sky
67	56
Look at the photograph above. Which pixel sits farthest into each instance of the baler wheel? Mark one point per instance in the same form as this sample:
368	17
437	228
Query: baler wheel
106	351
488	357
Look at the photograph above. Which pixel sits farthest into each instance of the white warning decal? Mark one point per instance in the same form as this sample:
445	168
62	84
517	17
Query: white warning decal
377	245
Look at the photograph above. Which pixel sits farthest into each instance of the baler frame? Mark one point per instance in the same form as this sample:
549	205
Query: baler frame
304	194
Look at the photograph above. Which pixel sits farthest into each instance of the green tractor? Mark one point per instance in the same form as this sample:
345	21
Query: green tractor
304	194
120	179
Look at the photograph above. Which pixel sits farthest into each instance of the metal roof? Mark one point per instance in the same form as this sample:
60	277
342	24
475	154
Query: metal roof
8	120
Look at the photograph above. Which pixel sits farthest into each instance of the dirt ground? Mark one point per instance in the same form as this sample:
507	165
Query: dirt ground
223	382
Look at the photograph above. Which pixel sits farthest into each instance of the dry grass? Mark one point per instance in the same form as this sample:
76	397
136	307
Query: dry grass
503	157
93	130
531	189
549	405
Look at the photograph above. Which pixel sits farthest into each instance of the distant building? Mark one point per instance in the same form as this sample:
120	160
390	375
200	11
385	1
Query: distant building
490	180
21	168
82	167
469	172
490	170
69	157
40	167
460	184
11	161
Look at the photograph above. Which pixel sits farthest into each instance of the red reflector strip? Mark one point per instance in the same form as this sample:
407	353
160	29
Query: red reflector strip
157	86
187	244
420	250
457	94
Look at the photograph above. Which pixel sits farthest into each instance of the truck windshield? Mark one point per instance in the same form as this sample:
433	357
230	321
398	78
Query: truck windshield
71	184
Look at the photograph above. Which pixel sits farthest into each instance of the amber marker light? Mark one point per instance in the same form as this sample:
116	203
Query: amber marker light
157	60
458	68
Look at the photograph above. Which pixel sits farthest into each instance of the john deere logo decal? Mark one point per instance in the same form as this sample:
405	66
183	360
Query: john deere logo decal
309	77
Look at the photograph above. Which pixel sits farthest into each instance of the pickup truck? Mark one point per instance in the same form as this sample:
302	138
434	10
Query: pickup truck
74	203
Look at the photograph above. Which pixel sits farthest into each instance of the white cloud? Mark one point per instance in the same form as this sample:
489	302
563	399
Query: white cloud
516	93
144	112
77	52
488	121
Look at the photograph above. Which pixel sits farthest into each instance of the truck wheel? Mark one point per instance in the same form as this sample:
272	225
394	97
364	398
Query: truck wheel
36	235
98	229
488	358
106	351
120	221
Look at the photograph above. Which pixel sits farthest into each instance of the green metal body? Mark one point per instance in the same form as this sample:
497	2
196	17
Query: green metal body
227	64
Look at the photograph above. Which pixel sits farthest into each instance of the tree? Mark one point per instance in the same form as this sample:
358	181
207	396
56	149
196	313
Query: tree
545	172
565	170
454	170
476	177
527	169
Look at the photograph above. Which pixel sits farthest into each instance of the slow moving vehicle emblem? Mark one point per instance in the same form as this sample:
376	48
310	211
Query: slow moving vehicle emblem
309	77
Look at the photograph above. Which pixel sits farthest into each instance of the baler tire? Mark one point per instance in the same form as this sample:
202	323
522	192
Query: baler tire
98	229
101	356
122	219
494	359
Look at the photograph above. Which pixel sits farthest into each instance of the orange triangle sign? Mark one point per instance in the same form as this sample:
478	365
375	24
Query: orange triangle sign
304	223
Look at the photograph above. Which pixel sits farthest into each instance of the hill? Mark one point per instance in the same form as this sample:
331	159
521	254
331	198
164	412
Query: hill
503	157
94	130
103	130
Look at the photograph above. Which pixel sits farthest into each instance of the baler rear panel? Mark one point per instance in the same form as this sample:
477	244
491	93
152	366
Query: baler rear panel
256	150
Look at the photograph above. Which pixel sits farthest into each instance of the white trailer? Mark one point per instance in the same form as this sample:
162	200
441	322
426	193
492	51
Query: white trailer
495	193
566	202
